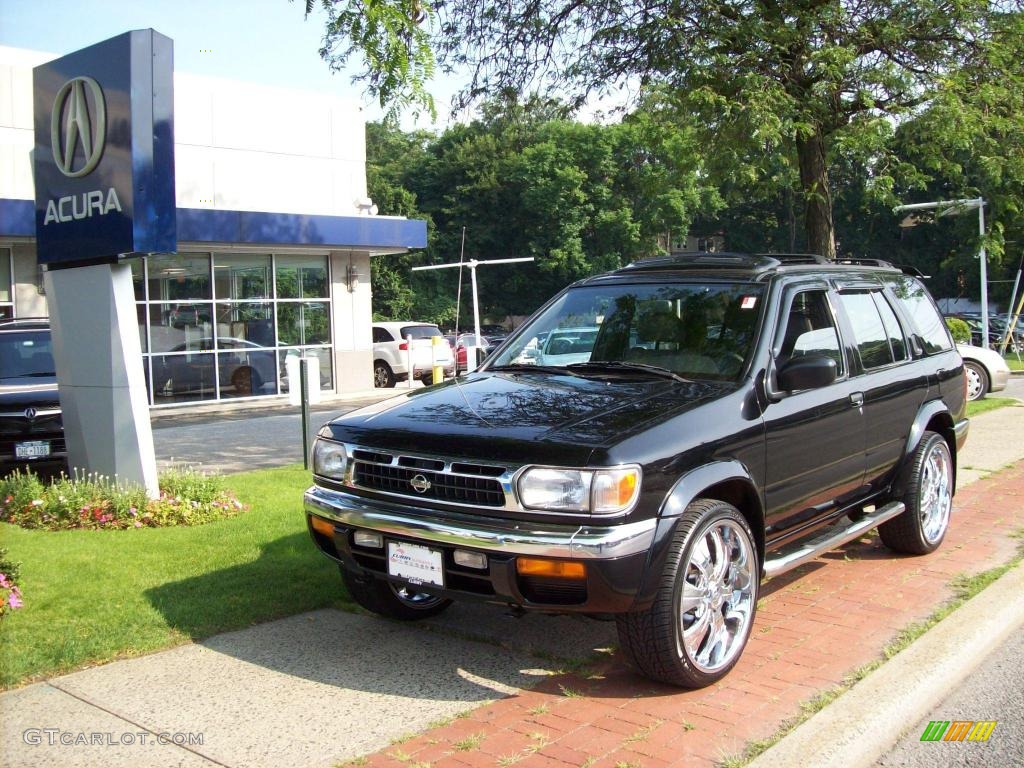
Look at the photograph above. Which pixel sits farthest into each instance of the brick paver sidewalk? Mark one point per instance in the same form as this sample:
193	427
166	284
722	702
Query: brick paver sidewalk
814	626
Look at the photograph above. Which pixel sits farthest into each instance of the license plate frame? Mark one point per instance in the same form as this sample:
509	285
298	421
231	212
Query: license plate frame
416	563
33	449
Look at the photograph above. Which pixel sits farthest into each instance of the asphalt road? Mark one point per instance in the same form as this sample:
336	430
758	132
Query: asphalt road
1014	388
995	691
238	442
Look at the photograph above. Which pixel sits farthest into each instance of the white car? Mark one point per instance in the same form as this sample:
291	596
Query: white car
391	353
986	370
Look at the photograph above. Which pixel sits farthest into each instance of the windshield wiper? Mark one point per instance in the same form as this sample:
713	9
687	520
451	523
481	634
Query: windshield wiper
526	368
619	365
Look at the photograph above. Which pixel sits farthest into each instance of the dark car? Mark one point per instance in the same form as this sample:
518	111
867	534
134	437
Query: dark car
31	429
247	367
735	416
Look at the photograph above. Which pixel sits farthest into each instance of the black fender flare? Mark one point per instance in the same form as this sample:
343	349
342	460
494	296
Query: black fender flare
691	486
925	414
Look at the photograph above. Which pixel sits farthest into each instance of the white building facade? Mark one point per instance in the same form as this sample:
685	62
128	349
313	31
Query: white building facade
275	237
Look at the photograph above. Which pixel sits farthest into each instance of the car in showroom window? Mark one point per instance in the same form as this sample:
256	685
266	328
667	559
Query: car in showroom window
649	446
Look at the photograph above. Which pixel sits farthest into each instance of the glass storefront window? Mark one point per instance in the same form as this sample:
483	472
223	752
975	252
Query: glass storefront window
184	377
173	326
245	372
174	277
250	321
242	276
302	323
219	326
302	277
324	355
138	278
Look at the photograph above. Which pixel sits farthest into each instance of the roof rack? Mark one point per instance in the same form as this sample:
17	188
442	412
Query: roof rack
703	260
865	262
796	258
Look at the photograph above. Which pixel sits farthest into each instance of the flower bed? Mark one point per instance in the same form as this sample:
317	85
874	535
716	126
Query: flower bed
187	497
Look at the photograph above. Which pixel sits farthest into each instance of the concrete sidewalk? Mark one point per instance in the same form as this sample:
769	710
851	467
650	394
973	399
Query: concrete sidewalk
321	688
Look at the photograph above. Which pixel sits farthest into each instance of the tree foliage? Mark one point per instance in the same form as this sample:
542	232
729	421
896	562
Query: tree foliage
768	78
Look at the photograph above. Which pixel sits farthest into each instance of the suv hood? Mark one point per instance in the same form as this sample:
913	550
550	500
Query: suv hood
20	393
521	417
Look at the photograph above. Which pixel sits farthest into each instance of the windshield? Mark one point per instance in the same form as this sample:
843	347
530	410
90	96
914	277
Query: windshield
24	354
697	331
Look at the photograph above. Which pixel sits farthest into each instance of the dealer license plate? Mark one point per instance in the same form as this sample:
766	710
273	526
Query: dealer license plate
36	449
416	564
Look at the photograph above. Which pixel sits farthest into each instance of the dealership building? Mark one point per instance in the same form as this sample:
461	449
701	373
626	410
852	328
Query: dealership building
275	234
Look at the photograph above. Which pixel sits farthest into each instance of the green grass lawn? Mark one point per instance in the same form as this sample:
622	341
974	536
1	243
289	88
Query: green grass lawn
989	404
1014	363
91	596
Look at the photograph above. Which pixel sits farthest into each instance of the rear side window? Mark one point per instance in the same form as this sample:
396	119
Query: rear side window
928	328
868	329
381	335
892	327
420	331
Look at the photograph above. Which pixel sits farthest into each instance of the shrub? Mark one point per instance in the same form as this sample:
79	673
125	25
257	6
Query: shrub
10	593
961	331
187	497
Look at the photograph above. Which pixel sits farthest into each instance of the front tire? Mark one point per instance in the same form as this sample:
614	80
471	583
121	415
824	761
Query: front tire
395	601
700	620
977	380
928	494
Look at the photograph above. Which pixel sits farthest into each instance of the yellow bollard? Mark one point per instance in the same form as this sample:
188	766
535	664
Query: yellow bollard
435	345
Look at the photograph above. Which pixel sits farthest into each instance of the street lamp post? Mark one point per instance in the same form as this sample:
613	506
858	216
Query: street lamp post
953	208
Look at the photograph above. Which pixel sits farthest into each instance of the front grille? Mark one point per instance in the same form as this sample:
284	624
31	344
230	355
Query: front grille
538	589
428	478
443	486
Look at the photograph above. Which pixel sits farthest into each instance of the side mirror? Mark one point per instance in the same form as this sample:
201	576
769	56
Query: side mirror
807	372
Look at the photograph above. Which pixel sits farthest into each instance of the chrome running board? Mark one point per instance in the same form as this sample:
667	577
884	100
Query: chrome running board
787	561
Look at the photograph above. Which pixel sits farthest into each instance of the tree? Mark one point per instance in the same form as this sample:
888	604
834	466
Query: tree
767	77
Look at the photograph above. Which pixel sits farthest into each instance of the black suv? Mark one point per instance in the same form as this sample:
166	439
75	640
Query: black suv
31	429
709	421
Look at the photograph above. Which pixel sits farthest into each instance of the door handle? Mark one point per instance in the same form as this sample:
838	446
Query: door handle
857	399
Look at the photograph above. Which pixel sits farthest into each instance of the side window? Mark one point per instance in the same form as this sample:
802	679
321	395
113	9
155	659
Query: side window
811	330
381	335
892	328
929	329
869	333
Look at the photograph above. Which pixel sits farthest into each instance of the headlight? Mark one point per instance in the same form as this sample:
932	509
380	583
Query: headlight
329	459
600	492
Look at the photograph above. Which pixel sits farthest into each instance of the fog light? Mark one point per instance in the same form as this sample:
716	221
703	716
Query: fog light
559	569
321	526
368	539
470	559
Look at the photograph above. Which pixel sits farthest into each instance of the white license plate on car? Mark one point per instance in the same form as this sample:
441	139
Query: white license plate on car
37	449
416	564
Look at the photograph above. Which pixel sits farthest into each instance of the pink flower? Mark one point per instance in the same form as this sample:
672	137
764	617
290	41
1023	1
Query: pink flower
138	524
132	511
14	599
4	583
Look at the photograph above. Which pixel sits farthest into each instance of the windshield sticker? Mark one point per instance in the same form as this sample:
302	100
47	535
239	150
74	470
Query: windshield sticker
748	302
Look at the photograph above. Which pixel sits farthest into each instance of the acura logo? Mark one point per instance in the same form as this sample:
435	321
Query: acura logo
79	117
420	484
30	413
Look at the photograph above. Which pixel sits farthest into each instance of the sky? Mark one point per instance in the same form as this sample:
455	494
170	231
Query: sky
262	41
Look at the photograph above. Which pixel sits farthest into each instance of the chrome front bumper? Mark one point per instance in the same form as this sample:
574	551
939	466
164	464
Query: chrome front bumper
583	542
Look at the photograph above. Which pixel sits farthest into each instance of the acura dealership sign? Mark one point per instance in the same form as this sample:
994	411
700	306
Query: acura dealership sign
104	154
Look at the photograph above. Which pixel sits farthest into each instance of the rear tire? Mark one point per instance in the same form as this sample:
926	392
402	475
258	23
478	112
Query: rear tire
928	493
392	600
383	376
698	625
427	379
977	380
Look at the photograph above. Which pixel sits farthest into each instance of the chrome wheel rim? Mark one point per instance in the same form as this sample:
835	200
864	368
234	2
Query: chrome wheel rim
973	382
419	600
716	601
936	491
380	377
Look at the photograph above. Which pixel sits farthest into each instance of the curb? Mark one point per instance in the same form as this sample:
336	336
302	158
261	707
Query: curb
864	723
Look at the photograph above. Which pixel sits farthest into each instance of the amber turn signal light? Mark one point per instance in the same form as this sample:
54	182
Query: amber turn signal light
321	526
559	569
